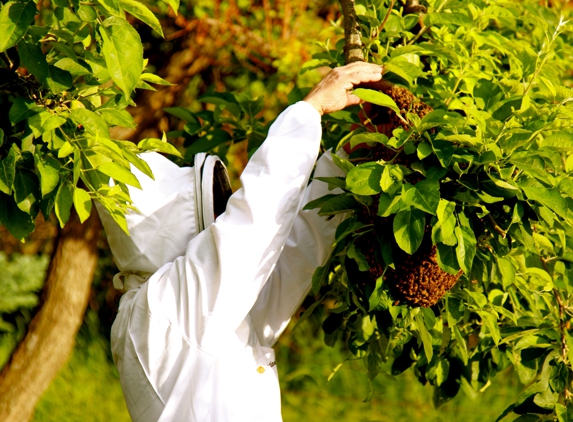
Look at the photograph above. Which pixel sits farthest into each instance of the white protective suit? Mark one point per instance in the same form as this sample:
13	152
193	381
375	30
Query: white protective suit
193	335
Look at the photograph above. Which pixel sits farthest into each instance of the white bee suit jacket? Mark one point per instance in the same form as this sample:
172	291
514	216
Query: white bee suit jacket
193	342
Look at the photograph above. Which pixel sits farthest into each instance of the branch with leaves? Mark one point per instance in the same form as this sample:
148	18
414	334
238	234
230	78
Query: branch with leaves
455	259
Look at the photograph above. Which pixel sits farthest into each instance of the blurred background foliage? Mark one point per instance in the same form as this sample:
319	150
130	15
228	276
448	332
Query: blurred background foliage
253	47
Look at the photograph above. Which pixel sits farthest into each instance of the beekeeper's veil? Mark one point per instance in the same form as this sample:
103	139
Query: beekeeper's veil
172	209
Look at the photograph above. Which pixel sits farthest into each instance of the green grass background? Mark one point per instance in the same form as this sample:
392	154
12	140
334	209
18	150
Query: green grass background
88	390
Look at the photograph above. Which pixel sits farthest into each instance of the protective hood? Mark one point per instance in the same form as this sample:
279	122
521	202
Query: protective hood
171	210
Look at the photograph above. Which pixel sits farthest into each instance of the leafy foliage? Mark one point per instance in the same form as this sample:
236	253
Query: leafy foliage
482	180
69	72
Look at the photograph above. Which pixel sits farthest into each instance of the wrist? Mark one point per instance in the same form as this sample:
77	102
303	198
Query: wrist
314	105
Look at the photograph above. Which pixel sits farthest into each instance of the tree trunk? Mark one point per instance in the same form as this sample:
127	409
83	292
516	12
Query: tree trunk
51	335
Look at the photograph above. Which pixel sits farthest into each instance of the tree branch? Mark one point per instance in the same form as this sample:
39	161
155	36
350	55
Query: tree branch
353	46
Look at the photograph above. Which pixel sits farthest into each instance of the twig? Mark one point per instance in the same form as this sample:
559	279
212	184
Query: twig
387	16
496	227
426	28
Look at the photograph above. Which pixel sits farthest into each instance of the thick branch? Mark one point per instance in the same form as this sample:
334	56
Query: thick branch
353	46
51	334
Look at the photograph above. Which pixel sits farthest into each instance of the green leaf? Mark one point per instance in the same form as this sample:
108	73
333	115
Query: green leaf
154	79
8	172
123	53
142	13
64	202
389	204
119	173
507	271
140	164
443	231
18	223
1	137
446	256
444	18
319	202
561	413
32	58
333	182
307	313
438	372
490	321
210	140
86	13
21	109
347	227
319	276
444	150
26	191
372	137
82	203
91	122
546	399
14	21
466	248
73	67
548	197
174	5
112	6
559	142
182	113
392	177
356	254
58	80
66	150
424	336
49	170
154	144
438	118
114	117
487	94
424	195
44	122
408	229
424	150
338	205
365	179
342	163
377	98
374	299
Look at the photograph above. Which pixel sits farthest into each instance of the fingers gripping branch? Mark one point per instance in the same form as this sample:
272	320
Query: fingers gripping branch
333	92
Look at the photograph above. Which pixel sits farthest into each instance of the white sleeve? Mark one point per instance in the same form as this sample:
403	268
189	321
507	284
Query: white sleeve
306	248
208	292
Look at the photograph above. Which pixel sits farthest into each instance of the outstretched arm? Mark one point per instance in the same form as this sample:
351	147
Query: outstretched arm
209	292
306	248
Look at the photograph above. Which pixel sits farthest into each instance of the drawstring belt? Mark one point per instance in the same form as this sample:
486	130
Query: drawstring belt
130	279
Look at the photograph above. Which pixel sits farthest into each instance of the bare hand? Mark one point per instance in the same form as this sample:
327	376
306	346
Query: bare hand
333	93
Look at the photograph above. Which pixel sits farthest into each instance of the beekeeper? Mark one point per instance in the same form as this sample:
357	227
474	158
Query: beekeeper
205	300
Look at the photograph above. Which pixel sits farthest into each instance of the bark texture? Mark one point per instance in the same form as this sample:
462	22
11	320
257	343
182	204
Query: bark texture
51	334
353	46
